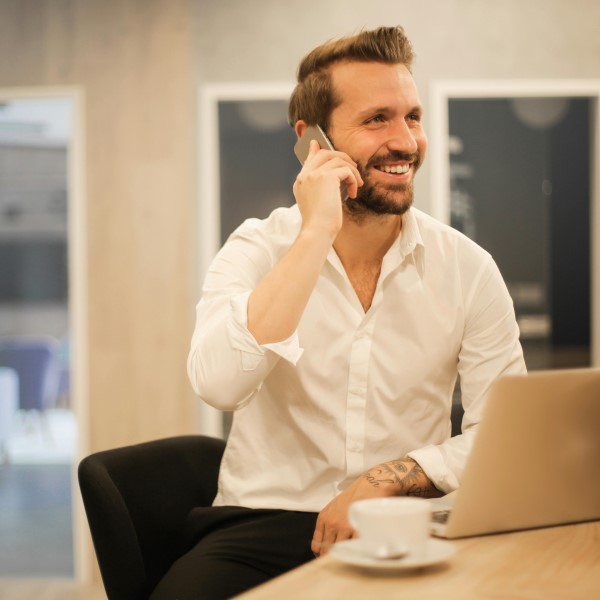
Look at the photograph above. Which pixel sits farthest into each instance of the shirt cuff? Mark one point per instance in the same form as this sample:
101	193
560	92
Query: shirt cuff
243	340
432	462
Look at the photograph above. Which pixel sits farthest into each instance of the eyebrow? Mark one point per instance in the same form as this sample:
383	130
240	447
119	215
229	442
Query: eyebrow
387	110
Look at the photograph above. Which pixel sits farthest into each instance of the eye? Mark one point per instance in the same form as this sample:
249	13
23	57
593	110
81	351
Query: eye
378	118
414	116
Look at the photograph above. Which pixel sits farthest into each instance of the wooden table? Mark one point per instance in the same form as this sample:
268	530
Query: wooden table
554	562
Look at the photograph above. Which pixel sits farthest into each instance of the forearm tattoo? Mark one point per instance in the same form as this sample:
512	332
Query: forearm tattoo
406	473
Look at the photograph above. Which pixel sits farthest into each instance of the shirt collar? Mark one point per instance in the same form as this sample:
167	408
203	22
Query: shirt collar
408	244
410	237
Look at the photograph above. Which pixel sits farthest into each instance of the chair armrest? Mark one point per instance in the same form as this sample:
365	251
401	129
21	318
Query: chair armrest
137	499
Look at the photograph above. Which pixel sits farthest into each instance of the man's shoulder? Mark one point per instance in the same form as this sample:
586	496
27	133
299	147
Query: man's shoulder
435	232
281	225
431	225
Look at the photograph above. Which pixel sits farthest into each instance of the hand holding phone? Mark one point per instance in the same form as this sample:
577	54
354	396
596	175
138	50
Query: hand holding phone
302	148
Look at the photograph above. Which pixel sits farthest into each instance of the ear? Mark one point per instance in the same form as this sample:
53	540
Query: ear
300	127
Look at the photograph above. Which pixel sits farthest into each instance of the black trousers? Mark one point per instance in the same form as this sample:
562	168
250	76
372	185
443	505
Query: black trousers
233	549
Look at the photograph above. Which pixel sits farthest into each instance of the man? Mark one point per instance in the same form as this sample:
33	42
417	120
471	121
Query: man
336	330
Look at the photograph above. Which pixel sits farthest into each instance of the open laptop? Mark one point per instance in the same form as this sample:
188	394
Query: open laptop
535	460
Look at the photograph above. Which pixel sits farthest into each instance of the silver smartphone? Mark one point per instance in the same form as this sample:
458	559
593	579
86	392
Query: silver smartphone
302	147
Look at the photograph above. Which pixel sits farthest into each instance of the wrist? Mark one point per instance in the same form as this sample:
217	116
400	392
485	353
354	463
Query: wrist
384	478
403	477
317	235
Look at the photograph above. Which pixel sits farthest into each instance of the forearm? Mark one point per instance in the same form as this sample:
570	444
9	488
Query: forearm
277	303
403	477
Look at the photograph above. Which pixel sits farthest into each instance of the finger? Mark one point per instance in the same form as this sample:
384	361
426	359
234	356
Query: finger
321	156
326	163
353	182
333	535
317	540
313	148
344	162
345	534
313	152
330	536
351	178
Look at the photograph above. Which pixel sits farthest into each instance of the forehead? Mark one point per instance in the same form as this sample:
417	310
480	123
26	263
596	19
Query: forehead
364	85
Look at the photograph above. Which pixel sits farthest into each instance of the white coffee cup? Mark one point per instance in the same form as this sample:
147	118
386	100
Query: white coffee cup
390	527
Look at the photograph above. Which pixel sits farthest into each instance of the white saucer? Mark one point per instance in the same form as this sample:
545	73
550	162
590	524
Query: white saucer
350	552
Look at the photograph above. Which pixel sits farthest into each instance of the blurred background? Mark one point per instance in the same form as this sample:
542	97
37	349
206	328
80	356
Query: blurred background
135	135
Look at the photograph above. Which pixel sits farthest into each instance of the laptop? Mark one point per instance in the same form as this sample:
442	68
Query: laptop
535	459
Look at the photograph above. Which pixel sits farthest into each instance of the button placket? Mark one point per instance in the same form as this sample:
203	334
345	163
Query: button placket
357	397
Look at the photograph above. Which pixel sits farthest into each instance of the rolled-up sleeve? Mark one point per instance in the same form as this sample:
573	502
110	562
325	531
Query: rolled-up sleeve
226	365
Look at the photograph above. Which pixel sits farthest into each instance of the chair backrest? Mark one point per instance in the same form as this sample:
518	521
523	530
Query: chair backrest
456	417
36	363
137	500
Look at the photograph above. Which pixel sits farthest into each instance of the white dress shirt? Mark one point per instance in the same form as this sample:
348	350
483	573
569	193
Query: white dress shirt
349	390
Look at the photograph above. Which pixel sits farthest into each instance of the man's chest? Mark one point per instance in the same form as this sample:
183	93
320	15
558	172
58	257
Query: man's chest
363	280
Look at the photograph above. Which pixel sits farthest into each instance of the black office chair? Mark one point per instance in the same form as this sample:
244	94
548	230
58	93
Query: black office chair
137	499
456	417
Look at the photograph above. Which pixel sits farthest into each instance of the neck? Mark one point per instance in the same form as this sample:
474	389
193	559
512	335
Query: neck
367	240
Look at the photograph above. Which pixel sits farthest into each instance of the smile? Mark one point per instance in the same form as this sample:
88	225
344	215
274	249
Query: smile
395	169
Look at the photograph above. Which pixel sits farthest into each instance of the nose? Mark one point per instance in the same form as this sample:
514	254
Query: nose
401	138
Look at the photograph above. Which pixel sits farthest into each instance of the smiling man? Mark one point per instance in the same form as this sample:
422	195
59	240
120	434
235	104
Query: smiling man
336	331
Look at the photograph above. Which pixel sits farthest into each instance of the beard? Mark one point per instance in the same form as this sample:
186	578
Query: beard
377	199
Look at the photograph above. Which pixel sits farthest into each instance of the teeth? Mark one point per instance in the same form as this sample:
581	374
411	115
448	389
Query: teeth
397	169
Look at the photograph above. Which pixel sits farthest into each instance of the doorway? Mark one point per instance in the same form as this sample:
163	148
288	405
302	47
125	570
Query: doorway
42	261
513	169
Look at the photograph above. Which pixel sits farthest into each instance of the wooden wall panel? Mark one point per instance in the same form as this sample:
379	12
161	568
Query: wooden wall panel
133	60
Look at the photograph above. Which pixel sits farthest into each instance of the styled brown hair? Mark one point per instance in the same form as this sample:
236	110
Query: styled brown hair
313	98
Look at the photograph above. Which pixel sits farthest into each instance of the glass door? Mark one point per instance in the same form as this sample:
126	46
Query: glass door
520	187
38	429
